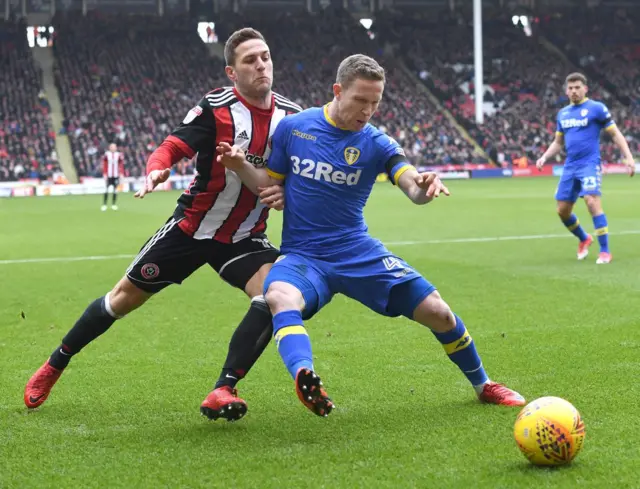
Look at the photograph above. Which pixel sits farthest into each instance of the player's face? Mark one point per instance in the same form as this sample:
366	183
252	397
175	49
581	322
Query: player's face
252	73
112	147
576	91
358	102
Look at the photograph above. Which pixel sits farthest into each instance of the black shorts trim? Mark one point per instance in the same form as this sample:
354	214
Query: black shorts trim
170	256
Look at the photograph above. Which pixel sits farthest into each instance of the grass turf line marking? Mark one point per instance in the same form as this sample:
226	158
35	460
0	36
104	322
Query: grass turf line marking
62	259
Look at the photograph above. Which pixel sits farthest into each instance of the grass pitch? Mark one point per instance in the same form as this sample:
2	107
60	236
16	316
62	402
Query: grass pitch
125	413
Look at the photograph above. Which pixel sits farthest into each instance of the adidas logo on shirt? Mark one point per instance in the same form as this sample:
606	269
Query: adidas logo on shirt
243	135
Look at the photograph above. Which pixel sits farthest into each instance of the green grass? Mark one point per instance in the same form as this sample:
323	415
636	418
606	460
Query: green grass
125	413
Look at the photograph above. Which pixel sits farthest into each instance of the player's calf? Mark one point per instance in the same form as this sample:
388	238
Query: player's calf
97	318
450	331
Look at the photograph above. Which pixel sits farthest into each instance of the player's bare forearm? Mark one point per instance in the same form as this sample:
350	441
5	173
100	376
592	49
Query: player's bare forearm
421	188
552	150
621	142
255	178
233	158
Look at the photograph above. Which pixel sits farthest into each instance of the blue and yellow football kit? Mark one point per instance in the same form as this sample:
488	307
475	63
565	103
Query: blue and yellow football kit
580	124
329	174
326	249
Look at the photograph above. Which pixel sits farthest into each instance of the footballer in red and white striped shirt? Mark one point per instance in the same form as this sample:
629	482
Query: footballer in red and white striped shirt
218	222
112	170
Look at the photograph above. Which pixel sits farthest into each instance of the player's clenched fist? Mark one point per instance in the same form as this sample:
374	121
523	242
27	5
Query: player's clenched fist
430	182
154	178
231	157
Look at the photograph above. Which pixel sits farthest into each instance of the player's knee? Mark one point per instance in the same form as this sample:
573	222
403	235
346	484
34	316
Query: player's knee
563	210
126	297
435	313
255	285
283	297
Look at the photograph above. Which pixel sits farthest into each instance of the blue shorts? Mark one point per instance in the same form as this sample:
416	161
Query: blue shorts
578	182
378	279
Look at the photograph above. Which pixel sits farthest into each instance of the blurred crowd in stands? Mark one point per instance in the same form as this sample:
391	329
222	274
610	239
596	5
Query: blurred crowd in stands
130	81
27	140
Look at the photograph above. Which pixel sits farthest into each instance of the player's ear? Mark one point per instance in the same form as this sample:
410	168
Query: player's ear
337	90
231	73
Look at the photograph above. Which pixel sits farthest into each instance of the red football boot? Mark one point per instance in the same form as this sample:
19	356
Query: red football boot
583	247
494	393
40	384
223	402
310	392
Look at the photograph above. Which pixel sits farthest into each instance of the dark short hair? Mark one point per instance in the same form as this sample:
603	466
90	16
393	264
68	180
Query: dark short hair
359	66
238	37
575	77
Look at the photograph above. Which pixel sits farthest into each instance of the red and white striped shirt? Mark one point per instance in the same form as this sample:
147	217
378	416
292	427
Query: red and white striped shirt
113	164
217	205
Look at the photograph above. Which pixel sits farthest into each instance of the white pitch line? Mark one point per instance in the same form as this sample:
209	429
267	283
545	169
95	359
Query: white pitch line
64	259
388	243
496	238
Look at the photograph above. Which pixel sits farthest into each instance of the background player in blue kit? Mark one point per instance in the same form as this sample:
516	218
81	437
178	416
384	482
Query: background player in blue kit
329	159
578	129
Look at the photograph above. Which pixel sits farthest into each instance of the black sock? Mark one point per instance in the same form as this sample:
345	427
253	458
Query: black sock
248	342
114	197
94	321
106	197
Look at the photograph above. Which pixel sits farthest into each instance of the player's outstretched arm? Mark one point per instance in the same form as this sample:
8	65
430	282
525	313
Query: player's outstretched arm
421	188
233	158
154	178
555	147
621	142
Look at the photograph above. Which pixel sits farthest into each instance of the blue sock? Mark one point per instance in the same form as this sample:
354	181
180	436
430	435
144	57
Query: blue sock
462	351
573	225
292	341
602	232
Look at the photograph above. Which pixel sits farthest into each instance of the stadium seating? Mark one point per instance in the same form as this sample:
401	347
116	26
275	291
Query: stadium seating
525	77
130	80
608	50
126	81
27	142
143	77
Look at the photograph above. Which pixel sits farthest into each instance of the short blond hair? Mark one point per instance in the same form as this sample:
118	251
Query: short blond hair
359	66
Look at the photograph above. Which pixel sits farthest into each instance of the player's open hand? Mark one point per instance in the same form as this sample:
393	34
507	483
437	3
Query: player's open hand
430	182
272	197
631	167
154	178
540	163
231	157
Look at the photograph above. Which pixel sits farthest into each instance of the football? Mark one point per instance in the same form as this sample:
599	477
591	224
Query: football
549	431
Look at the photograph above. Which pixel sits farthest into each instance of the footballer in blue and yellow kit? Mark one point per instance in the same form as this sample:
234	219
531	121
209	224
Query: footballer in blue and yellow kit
329	158
578	128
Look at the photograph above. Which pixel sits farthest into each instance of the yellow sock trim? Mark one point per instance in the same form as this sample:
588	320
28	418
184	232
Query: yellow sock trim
602	231
286	331
459	344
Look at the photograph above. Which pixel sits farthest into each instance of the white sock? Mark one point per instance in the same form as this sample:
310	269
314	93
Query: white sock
479	388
